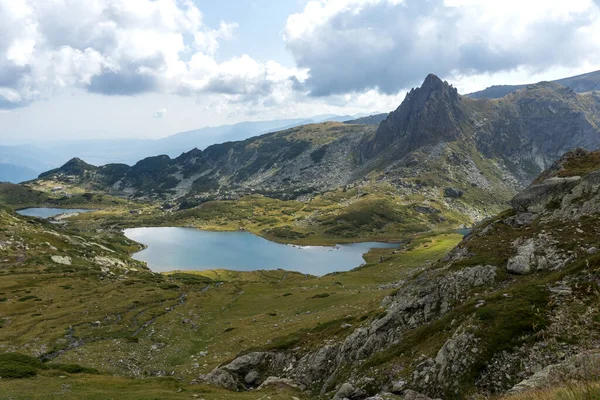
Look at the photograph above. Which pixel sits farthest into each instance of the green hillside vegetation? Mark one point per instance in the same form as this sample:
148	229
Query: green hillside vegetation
113	321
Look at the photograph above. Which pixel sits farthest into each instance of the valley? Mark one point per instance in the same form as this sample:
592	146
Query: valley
510	307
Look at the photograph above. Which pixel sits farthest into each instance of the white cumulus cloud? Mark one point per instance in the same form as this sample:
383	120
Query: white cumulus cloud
120	47
389	45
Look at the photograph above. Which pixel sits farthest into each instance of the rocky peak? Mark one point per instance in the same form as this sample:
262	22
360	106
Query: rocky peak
75	166
429	114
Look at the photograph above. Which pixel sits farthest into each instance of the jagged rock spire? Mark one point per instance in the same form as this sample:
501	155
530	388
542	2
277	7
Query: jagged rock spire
427	115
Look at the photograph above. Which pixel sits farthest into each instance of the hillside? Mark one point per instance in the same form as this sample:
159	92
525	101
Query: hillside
368	120
581	84
512	307
73	304
446	160
287	163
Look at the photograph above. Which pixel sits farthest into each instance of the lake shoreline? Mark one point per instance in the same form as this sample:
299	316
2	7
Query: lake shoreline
168	249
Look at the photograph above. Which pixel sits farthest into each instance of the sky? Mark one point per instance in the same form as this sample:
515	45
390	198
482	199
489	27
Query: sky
87	69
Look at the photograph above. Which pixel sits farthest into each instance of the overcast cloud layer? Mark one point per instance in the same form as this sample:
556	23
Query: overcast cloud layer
358	53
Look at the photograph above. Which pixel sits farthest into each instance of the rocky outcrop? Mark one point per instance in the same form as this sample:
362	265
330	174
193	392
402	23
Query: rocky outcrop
582	367
422	300
539	196
536	254
249	370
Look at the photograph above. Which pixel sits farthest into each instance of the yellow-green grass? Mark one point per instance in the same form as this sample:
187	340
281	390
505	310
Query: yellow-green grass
573	391
141	324
103	387
335	217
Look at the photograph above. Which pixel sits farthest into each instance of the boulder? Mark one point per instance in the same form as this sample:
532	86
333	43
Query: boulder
251	377
582	367
220	377
452	193
348	391
522	263
64	260
521	219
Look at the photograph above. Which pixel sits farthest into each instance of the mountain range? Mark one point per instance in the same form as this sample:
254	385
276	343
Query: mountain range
580	84
437	147
24	162
508	307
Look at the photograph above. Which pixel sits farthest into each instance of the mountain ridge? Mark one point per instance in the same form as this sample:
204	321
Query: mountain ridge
471	155
580	83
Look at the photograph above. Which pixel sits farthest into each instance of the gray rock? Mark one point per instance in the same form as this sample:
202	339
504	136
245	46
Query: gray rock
412	395
453	193
251	377
583	367
222	378
348	391
398	386
277	381
537	197
521	219
592	250
522	263
562	290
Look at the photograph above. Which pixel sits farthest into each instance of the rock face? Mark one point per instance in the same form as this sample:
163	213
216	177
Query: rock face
245	371
428	115
507	130
421	301
536	254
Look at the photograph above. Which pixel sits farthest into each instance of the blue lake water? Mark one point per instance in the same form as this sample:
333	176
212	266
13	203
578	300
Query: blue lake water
464	231
192	249
46	212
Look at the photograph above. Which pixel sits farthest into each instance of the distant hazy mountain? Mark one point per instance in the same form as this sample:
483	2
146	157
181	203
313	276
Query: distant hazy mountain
580	84
16	173
369	119
47	155
21	163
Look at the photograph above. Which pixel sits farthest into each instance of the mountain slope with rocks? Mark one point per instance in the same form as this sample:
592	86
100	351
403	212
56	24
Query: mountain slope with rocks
437	148
581	84
513	307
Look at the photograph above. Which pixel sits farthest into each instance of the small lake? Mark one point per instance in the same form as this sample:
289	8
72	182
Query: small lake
464	231
192	249
44	212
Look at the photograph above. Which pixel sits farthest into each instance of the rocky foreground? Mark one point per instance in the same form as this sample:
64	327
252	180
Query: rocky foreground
513	307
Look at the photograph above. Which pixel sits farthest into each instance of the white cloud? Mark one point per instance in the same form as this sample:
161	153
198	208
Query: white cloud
160	113
389	45
119	47
351	55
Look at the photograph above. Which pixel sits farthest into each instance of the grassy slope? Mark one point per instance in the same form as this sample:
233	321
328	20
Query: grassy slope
364	214
143	324
103	387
